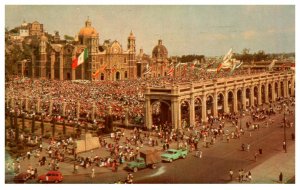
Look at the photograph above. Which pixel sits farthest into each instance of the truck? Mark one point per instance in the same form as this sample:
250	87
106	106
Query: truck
173	154
148	158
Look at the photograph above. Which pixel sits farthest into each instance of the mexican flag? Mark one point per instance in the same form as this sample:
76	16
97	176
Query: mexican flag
80	59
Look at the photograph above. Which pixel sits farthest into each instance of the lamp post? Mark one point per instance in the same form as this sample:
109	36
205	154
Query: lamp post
284	130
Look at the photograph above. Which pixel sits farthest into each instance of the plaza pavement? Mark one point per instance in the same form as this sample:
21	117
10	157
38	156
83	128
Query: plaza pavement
267	172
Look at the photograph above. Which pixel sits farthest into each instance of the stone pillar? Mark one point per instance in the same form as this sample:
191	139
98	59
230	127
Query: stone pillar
82	70
273	92
252	96
148	113
259	94
13	102
176	115
64	109
52	65
26	104
215	105
267	93
50	107
109	110
192	111
21	104
244	98
235	103
293	87
286	88
78	110
126	122
32	65
38	104
226	108
204	111
61	65
279	89
73	74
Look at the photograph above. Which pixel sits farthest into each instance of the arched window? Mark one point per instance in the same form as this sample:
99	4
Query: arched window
125	74
102	76
118	75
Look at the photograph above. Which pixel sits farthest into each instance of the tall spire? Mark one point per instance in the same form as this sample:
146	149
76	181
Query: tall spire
131	35
88	23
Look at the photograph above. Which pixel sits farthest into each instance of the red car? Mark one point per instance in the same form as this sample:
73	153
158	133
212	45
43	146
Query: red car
51	176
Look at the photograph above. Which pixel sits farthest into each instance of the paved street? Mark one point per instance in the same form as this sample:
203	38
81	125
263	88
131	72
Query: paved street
216	162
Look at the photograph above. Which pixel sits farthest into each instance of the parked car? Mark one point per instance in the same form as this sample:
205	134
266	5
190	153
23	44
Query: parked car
148	158
173	154
22	177
51	176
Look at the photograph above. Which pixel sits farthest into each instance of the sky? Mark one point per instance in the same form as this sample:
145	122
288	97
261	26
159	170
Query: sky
184	29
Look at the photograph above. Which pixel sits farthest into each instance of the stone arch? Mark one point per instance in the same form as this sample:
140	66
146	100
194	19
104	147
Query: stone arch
282	88
158	107
118	75
102	76
230	100
198	109
220	102
210	104
185	113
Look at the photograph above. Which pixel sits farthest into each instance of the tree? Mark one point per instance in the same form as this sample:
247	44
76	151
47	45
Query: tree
33	124
260	56
190	58
68	38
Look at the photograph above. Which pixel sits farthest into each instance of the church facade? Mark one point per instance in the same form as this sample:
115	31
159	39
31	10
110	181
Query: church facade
108	61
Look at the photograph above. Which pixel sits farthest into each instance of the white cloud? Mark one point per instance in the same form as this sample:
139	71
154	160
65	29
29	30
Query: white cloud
249	34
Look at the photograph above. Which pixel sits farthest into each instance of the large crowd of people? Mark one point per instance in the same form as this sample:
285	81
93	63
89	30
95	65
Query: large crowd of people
120	95
124	97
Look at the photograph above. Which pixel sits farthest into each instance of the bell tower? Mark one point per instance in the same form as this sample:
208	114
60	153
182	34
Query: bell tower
43	56
131	56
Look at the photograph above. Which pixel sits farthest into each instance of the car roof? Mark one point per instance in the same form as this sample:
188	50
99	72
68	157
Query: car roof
53	172
173	150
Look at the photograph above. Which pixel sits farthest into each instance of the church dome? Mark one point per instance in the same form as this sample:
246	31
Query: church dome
159	51
88	30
